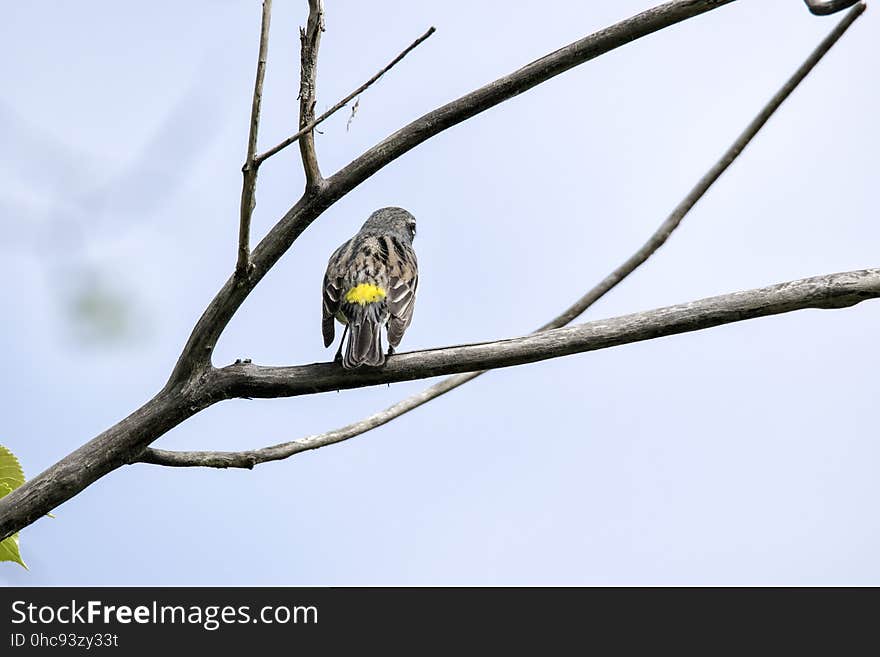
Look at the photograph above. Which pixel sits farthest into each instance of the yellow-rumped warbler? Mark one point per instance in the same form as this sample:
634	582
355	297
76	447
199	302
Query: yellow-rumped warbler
370	283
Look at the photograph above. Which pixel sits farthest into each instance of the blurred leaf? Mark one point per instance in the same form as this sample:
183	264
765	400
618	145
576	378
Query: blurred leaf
11	477
100	314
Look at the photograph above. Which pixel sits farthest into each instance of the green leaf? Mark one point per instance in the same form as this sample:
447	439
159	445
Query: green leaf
11	477
11	473
9	551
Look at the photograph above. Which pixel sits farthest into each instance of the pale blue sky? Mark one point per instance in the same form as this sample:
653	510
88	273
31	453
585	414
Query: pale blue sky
741	455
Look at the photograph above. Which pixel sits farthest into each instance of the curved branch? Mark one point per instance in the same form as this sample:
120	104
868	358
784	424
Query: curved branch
253	381
250	458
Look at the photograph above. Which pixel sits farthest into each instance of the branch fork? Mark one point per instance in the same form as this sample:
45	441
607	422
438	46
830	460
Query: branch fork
195	384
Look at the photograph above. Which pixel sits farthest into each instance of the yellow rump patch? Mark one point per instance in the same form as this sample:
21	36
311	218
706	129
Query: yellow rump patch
365	293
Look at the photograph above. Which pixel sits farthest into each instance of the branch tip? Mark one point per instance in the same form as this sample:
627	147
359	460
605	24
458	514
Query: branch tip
311	42
828	7
250	167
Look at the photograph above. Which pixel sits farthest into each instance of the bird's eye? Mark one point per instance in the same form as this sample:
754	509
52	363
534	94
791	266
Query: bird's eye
412	228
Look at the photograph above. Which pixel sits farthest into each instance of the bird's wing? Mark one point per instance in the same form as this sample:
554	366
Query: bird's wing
331	293
401	299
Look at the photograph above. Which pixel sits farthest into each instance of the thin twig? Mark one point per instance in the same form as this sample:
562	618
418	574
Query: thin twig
311	42
342	103
249	170
249	458
354	109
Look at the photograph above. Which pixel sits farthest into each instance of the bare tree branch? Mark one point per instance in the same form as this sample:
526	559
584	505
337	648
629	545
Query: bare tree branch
311	41
249	170
249	458
829	291
826	7
195	359
194	384
254	381
342	103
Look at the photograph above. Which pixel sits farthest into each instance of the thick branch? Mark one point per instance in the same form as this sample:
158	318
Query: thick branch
196	353
249	458
125	441
253	381
342	103
311	41
111	449
831	291
249	170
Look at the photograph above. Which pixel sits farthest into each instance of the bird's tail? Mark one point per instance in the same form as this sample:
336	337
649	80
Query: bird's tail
364	346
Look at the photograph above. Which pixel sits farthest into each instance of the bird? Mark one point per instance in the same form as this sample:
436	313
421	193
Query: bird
370	284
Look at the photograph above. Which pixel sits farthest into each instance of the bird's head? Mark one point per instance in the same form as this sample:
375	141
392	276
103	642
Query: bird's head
391	221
